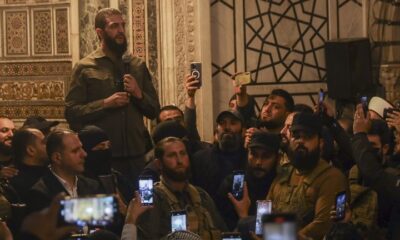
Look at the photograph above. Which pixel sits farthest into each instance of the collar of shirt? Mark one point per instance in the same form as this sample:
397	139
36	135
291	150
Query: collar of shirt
72	190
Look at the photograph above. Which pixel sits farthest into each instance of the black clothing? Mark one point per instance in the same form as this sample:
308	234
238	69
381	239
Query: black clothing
248	113
210	167
26	178
385	183
257	188
48	186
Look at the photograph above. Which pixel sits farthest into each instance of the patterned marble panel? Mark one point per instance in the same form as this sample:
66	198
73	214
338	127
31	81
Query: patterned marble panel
35	69
88	37
153	42
31	90
16	33
123	6
62	33
350	19
42	32
138	26
23	111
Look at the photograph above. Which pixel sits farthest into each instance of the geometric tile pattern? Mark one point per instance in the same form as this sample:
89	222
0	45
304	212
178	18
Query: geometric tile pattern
272	54
31	90
35	69
16	33
62	33
42	31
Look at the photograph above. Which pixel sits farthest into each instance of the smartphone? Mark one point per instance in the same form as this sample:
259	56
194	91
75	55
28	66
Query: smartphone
231	236
146	190
340	205
364	102
238	184
99	210
195	71
263	207
321	96
280	226
243	78
389	110
178	221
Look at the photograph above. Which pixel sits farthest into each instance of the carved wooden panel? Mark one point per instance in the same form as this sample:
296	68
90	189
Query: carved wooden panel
16	33
42	31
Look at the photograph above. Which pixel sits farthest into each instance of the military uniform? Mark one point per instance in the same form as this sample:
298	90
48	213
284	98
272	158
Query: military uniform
202	215
310	196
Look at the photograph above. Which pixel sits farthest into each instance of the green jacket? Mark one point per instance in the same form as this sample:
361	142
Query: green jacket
202	215
94	79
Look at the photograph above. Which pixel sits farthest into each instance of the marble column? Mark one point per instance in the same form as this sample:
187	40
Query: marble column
184	38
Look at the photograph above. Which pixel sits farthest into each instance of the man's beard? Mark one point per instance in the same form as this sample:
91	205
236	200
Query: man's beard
174	175
230	142
302	159
115	47
258	172
270	124
5	149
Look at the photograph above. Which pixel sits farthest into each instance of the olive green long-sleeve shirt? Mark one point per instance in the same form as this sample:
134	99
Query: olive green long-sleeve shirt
310	196
95	78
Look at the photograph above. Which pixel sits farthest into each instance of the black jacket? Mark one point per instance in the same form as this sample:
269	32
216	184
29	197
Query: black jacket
42	192
386	184
211	166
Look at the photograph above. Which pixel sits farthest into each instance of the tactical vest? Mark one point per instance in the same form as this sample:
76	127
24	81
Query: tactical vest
364	201
198	217
294	199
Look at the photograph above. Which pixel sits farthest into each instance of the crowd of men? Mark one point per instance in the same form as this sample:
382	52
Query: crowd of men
296	156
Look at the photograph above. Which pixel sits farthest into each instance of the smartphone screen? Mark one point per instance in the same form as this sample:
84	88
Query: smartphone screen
279	227
146	190
340	205
263	207
364	102
321	96
231	236
89	211
195	71
178	221
238	184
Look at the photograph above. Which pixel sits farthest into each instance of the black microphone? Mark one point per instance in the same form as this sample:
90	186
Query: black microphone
126	60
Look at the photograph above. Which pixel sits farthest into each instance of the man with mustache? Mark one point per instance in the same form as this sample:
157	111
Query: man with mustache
263	157
210	166
277	106
7	129
308	187
112	90
174	193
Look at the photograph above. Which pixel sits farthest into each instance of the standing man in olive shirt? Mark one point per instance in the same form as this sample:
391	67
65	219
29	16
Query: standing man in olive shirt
113	90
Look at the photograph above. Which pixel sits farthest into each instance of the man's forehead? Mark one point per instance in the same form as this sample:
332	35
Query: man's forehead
115	19
275	99
5	122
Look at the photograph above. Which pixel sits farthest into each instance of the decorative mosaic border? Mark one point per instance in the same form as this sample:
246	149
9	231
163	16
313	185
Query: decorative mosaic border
35	69
24	111
138	28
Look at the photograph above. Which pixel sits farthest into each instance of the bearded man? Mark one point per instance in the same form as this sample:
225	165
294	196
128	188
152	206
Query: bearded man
174	193
308	185
211	166
112	90
7	129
